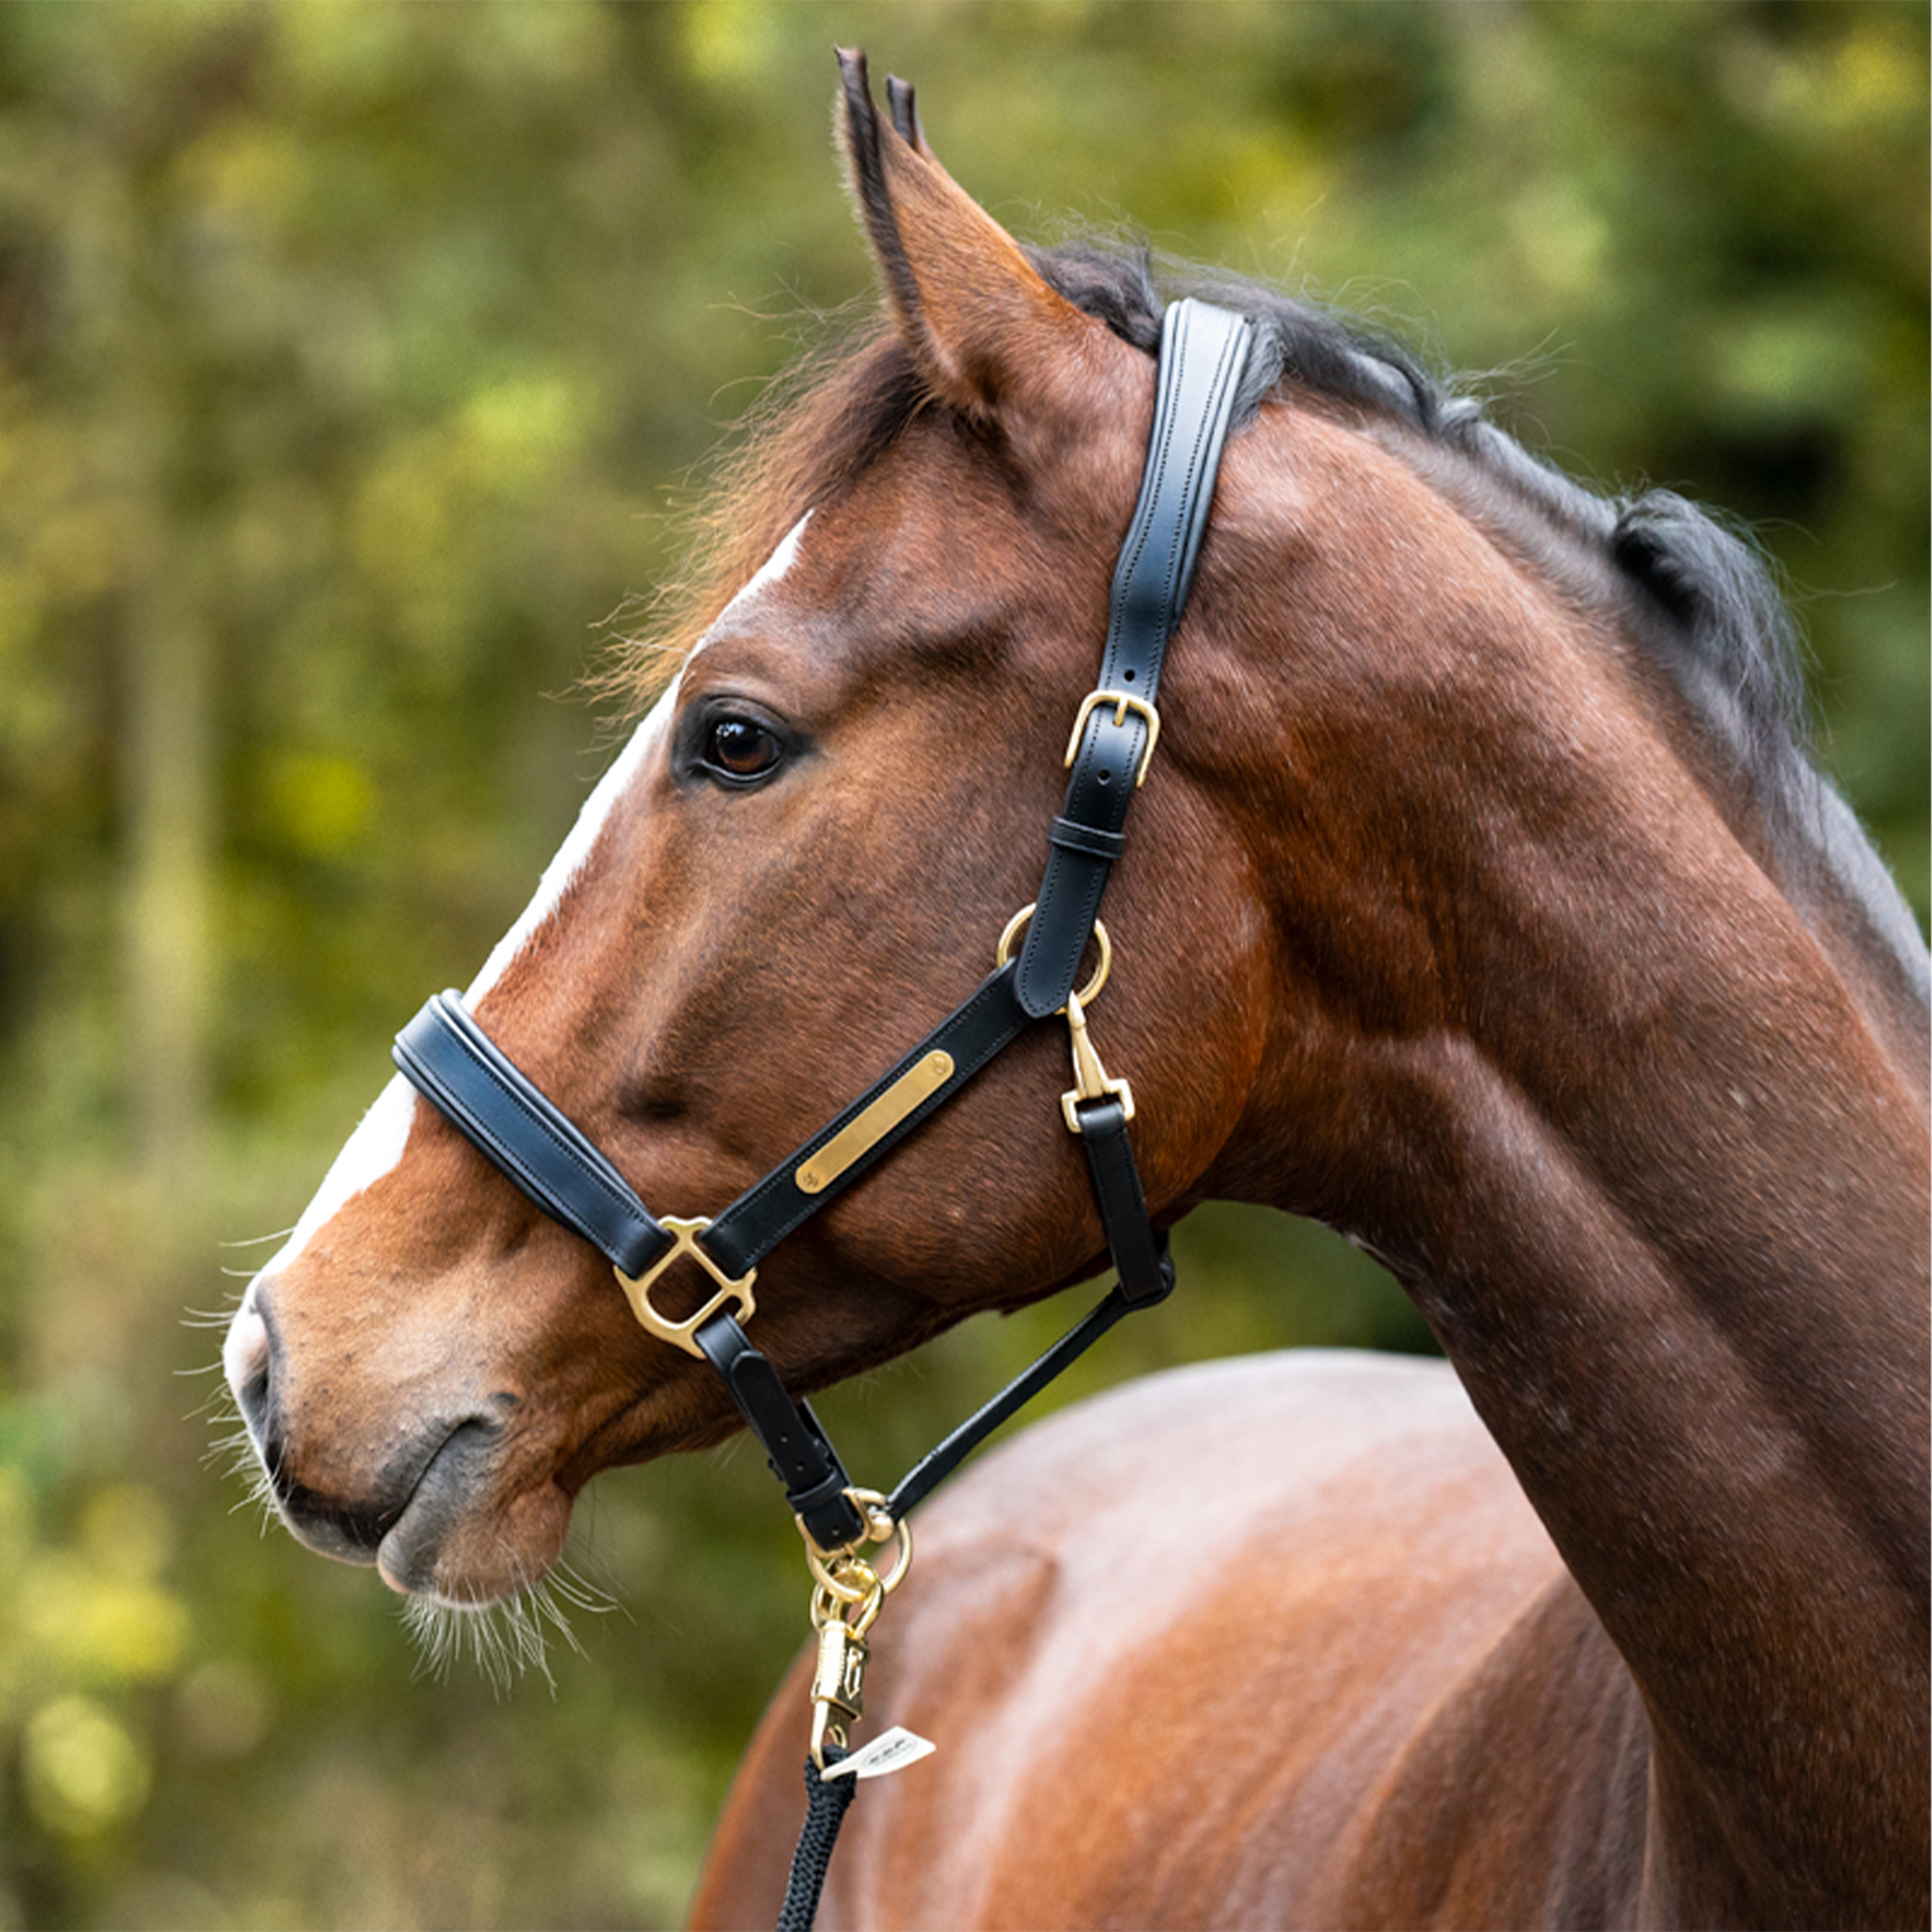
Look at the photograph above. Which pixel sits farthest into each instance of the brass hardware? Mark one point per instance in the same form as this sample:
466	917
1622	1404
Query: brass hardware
1091	992
838	1687
850	1143
880	1527
1089	1077
683	1334
1003	952
849	1580
837	1571
847	1595
1122	702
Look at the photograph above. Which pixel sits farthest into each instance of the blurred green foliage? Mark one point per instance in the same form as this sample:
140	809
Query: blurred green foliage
354	364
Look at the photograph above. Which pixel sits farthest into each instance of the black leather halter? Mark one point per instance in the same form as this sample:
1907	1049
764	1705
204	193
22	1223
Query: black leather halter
455	1064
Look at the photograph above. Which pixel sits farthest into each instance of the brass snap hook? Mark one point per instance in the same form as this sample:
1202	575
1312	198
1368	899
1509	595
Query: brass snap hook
848	1593
1089	1077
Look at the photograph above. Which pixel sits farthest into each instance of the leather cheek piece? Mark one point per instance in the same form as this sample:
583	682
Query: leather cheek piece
797	1448
1086	839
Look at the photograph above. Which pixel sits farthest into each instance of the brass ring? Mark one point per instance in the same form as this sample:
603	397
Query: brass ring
896	1576
1089	992
836	1585
880	1528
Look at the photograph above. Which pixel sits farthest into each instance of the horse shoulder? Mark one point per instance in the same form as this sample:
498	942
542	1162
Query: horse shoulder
1284	1626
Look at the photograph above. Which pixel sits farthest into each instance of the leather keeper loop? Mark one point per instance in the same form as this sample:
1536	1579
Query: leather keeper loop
1092	839
829	1514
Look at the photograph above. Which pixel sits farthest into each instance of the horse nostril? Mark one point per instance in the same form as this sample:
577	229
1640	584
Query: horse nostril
252	1400
244	1353
246	1356
352	1531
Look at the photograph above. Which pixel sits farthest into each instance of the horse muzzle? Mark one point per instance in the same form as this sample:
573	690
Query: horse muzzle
435	1490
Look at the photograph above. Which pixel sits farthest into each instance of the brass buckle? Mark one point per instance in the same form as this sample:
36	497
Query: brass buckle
683	1334
1122	702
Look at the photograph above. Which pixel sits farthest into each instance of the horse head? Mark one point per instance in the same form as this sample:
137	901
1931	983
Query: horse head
804	857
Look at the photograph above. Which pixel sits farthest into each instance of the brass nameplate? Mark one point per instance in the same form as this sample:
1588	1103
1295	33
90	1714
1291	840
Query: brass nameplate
853	1142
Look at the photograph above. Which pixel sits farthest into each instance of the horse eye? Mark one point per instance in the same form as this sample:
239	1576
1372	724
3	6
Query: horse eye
741	748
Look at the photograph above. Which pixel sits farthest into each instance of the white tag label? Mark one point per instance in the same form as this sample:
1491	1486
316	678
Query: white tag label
892	1750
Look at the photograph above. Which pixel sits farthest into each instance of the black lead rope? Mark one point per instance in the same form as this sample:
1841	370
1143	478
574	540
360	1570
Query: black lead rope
827	1800
449	1059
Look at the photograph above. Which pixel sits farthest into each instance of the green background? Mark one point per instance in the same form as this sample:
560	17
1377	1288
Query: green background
356	363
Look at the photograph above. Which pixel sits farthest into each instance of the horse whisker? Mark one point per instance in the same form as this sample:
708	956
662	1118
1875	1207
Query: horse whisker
504	1639
260	1240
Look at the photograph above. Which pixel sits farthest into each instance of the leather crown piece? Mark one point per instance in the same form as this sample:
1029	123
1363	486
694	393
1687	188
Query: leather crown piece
1203	353
454	1063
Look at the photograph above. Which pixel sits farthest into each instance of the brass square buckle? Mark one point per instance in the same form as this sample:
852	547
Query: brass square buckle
683	1334
1122	702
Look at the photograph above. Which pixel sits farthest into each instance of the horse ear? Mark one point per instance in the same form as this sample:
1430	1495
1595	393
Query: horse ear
905	114
987	332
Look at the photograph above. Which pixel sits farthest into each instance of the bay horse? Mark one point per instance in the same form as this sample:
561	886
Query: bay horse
1482	903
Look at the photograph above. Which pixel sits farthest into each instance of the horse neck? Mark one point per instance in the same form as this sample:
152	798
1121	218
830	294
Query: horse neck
1646	1141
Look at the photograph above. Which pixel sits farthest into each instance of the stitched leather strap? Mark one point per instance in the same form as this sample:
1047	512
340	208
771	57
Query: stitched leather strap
1140	1255
800	1453
931	1470
764	1215
1202	353
1141	1261
453	1062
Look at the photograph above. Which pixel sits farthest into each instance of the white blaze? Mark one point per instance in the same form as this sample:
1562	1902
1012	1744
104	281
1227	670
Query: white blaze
372	1150
769	572
571	856
377	1144
575	850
